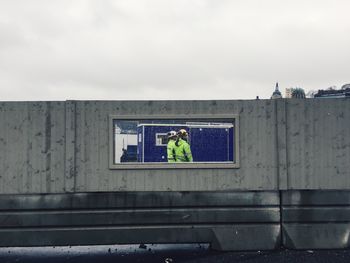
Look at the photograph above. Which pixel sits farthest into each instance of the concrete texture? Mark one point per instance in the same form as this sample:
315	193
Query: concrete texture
57	147
228	221
315	219
56	187
318	139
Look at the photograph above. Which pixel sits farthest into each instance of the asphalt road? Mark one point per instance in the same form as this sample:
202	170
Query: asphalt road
164	253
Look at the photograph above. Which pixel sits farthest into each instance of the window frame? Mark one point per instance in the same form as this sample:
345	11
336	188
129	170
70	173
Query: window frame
156	139
234	118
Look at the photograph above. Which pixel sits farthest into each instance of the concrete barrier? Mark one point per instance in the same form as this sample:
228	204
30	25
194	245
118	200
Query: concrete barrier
56	185
226	220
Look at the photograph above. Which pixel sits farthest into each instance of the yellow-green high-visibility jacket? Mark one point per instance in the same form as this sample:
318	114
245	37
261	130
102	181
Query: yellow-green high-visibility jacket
171	151
183	151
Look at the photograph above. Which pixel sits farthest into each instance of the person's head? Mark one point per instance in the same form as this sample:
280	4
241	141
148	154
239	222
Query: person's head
183	134
172	135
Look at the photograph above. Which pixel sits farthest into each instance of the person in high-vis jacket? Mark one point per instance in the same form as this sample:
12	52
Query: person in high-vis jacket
182	148
172	136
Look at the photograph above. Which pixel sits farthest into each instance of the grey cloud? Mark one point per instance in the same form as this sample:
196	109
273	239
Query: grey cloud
170	49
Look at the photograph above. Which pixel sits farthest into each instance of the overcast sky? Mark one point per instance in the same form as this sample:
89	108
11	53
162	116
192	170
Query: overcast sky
162	49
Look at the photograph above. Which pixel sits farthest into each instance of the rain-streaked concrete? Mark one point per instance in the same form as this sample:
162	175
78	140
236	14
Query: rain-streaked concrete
56	147
57	153
318	143
63	147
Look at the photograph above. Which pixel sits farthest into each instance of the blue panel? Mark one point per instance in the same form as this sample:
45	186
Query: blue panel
207	144
210	144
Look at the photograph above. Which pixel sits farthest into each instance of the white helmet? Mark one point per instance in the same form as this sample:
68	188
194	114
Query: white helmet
171	134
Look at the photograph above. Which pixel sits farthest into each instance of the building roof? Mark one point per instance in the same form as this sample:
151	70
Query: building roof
331	93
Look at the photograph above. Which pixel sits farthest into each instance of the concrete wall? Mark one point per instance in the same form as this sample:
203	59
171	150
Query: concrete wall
318	139
32	147
57	147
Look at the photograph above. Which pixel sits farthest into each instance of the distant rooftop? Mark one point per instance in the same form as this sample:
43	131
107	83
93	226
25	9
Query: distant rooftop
344	92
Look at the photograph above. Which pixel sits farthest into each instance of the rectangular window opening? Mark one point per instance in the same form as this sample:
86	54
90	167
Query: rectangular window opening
173	142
